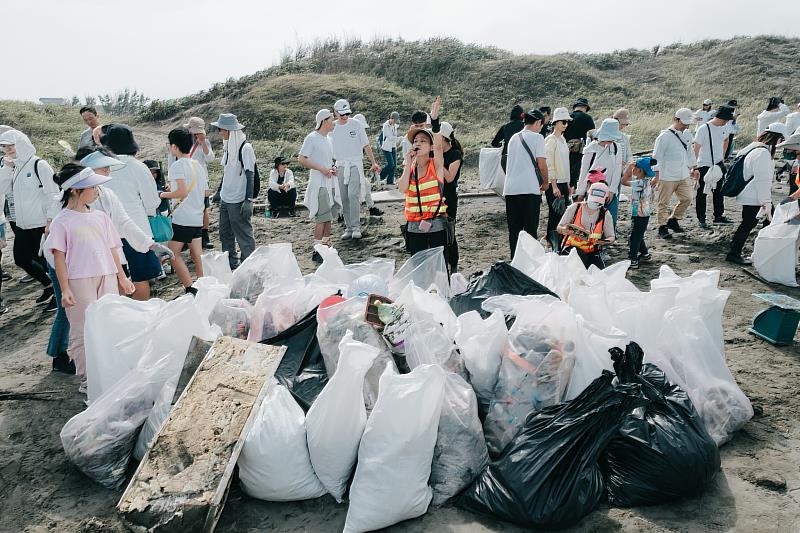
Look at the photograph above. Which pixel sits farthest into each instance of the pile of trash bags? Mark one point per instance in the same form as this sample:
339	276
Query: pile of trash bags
532	391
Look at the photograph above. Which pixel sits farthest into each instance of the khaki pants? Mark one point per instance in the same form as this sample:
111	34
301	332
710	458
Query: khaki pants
85	291
683	189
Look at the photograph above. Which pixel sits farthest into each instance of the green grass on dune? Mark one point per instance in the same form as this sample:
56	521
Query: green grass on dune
478	86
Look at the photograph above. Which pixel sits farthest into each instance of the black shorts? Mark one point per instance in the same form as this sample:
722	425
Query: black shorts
185	234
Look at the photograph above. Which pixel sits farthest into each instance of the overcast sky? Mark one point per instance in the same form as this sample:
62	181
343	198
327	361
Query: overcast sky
165	49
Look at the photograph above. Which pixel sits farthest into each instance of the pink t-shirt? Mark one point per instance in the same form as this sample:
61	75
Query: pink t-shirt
87	240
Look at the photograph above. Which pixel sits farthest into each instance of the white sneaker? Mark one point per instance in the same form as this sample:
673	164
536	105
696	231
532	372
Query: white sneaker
348	235
83	387
356	234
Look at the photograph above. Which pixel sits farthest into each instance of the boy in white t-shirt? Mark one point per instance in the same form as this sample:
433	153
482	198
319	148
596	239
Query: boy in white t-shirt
188	182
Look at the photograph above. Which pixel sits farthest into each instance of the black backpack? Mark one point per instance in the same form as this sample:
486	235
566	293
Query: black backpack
733	183
256	175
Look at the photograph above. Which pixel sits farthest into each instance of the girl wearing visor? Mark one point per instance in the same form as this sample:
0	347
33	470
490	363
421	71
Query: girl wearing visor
85	248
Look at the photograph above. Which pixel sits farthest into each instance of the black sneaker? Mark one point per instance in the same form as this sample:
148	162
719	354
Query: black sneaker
207	244
316	257
51	306
663	232
6	276
634	263
738	260
292	213
702	224
672	224
374	211
3	307
645	257
43	298
63	364
723	220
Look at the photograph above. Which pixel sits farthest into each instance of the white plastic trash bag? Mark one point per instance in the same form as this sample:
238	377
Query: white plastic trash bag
209	291
460	453
427	269
424	306
338	416
427	343
110	320
216	265
158	415
535	369
274	464
591	354
333	323
775	249
490	170
232	315
690	357
335	271
267	263
529	254
99	440
482	343
396	451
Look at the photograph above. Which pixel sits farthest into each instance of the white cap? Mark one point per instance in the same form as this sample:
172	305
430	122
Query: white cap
777	127
446	129
322	114
685	115
342	107
708	101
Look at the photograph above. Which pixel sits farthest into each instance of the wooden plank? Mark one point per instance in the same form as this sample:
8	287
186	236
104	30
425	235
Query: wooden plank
183	480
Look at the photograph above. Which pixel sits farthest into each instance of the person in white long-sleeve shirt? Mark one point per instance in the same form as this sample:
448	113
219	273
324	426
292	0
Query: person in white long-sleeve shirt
674	171
389	147
137	191
28	179
776	110
793	121
759	171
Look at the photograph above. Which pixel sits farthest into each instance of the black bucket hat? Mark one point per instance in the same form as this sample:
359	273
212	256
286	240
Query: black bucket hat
581	102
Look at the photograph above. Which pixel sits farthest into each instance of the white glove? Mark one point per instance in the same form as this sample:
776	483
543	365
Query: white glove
162	251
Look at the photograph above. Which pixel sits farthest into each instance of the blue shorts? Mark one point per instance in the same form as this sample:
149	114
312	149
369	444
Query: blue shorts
142	267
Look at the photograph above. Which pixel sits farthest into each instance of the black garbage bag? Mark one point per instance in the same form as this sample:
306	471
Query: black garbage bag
502	278
662	451
302	369
549	476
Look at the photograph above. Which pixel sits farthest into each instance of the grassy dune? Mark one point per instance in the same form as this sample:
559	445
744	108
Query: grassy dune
478	85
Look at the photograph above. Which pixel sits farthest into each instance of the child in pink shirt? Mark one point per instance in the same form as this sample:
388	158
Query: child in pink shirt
85	248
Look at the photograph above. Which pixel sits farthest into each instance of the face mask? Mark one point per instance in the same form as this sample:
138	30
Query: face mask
594	205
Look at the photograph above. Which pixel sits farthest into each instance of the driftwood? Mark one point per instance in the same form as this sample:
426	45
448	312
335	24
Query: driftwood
183	480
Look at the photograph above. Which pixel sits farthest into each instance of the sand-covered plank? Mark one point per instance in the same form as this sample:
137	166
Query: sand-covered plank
182	481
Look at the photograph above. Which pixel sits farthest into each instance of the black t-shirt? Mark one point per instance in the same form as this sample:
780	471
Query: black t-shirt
506	132
451	189
579	126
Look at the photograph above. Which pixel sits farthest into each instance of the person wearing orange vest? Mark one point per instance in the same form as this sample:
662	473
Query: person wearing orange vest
422	183
587	225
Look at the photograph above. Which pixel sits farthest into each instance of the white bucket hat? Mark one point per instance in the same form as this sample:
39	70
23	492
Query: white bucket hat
561	113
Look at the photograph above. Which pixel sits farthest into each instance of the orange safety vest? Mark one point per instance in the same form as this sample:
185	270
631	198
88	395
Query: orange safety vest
596	234
424	197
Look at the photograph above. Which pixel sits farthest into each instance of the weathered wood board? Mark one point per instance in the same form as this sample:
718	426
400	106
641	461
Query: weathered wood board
183	480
